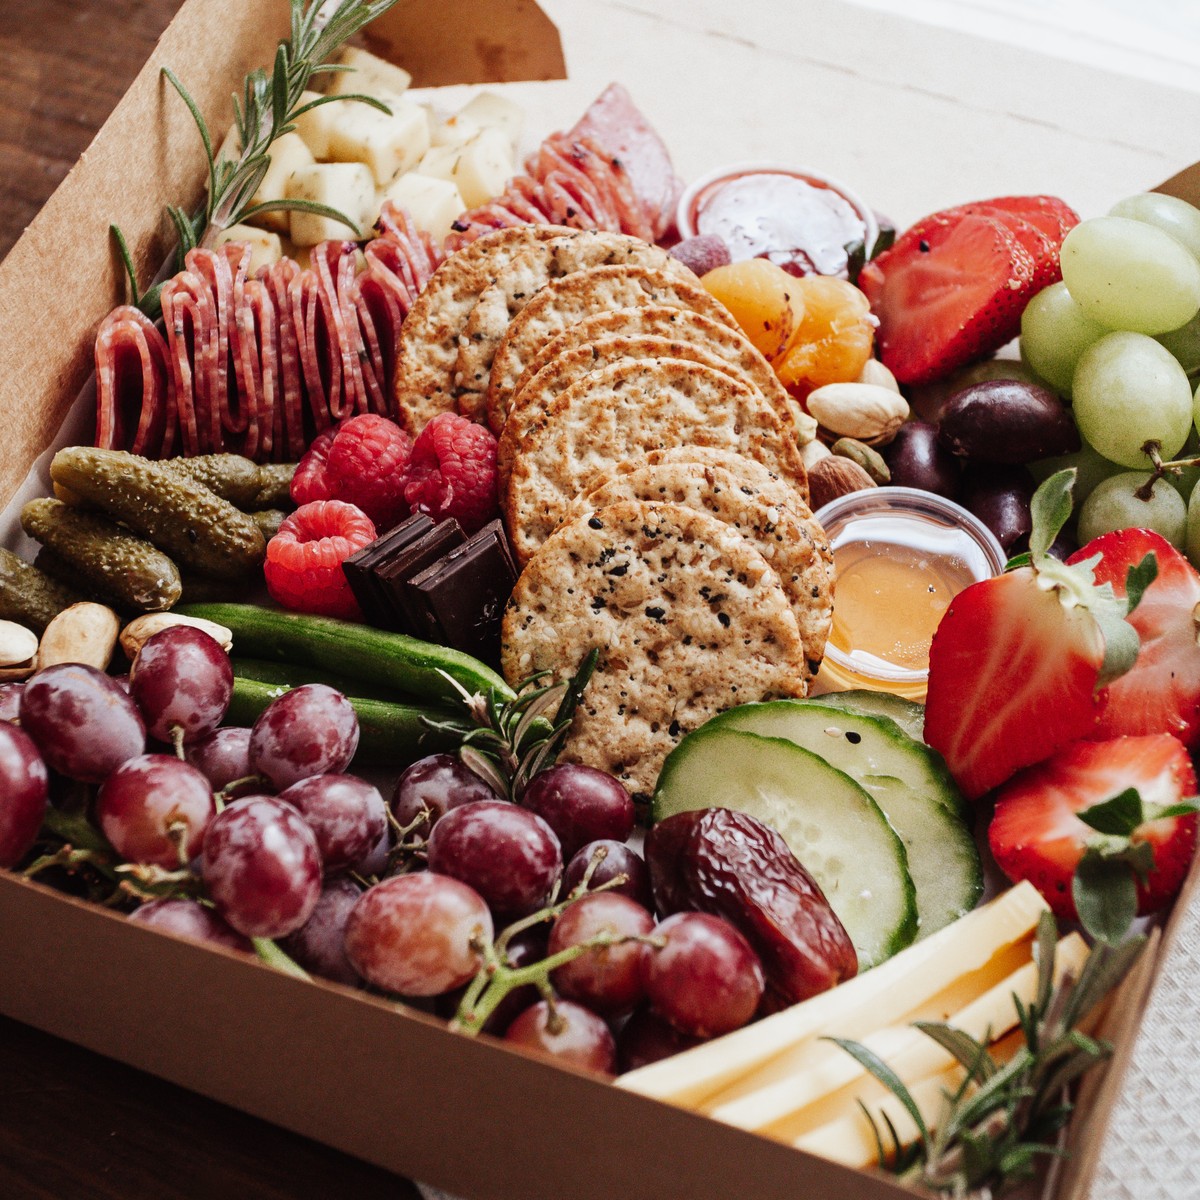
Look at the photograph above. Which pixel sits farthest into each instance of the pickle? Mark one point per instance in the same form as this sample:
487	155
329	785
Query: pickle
269	521
30	596
230	476
198	529
276	488
101	555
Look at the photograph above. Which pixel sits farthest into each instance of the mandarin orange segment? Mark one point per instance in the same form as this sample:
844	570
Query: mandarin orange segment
763	300
833	338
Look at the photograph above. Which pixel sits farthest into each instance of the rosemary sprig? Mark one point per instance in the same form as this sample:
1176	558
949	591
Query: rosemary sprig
266	110
515	739
1004	1117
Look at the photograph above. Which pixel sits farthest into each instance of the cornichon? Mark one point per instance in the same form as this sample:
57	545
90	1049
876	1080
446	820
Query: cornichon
350	651
276	486
293	675
29	596
269	521
102	556
390	733
231	476
196	527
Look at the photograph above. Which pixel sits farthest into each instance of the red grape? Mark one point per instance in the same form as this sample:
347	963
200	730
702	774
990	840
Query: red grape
310	730
646	1038
222	757
412	934
706	980
509	855
437	783
140	802
375	861
181	680
619	860
24	789
319	945
261	866
83	723
190	919
581	805
346	813
10	701
608	979
574	1035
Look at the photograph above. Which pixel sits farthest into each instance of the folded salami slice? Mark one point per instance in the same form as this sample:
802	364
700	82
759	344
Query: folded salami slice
278	280
134	393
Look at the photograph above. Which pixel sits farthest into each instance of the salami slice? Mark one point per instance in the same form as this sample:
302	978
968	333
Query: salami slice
189	327
290	408
133	383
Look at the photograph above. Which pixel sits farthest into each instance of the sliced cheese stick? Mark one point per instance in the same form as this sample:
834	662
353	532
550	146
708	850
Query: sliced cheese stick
893	988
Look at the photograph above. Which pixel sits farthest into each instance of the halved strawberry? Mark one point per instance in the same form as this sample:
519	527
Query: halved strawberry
946	294
1161	693
1043	830
1013	675
1054	217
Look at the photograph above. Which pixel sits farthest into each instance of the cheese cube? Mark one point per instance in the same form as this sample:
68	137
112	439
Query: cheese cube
314	126
266	248
454	131
389	145
485	165
432	203
439	162
347	187
496	112
372	75
288	155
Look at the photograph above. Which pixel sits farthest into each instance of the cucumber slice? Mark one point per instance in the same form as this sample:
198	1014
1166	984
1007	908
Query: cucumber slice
908	714
943	859
832	825
857	744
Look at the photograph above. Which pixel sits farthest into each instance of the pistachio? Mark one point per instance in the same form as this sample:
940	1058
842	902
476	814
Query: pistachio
833	477
806	426
142	628
812	453
18	673
84	633
866	411
875	372
18	645
870	460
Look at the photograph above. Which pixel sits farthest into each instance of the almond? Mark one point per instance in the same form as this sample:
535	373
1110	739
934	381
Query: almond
84	633
833	477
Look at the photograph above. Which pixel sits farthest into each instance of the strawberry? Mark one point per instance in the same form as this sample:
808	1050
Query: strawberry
950	290
1054	217
1020	664
1161	694
1079	821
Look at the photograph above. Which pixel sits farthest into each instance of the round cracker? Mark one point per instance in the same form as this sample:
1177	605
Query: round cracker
571	299
687	615
520	279
536	397
764	518
423	380
620	413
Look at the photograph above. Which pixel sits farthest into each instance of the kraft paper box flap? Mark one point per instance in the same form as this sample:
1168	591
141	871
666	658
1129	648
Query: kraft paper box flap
1185	185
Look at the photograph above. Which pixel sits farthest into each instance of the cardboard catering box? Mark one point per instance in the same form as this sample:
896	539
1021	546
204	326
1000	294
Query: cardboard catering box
837	92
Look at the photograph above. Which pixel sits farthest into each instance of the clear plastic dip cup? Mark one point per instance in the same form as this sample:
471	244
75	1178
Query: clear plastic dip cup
901	555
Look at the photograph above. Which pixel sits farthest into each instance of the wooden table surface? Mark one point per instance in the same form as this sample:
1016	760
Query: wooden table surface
73	1124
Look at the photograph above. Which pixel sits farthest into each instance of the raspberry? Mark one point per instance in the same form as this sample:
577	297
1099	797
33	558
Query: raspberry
311	480
366	466
452	472
304	559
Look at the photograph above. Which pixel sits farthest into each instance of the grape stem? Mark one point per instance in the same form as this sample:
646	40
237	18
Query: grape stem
273	956
1174	467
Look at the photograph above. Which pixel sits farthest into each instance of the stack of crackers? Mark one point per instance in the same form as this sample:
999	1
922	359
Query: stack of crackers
650	480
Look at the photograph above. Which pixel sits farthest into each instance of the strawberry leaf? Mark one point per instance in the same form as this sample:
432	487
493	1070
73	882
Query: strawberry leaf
1185	808
1138	578
1050	509
1018	561
1120	816
1105	896
1121	644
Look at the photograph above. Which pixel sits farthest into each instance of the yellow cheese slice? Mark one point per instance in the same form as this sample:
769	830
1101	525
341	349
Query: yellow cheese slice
889	990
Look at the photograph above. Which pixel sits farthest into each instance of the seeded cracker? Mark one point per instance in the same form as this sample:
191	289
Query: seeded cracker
519	280
764	518
423	383
687	615
571	299
533	400
619	414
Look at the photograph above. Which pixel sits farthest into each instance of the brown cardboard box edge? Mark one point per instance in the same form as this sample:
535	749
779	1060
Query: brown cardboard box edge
393	1088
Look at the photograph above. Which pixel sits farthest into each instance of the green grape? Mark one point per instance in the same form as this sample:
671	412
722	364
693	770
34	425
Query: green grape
1172	215
1091	469
1130	275
1128	391
1055	331
1184	344
1192	532
1114	505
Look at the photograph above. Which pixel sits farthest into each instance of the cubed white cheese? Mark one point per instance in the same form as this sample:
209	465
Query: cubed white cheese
496	112
314	126
439	162
372	75
347	187
288	155
432	203
484	166
388	144
266	247
455	131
